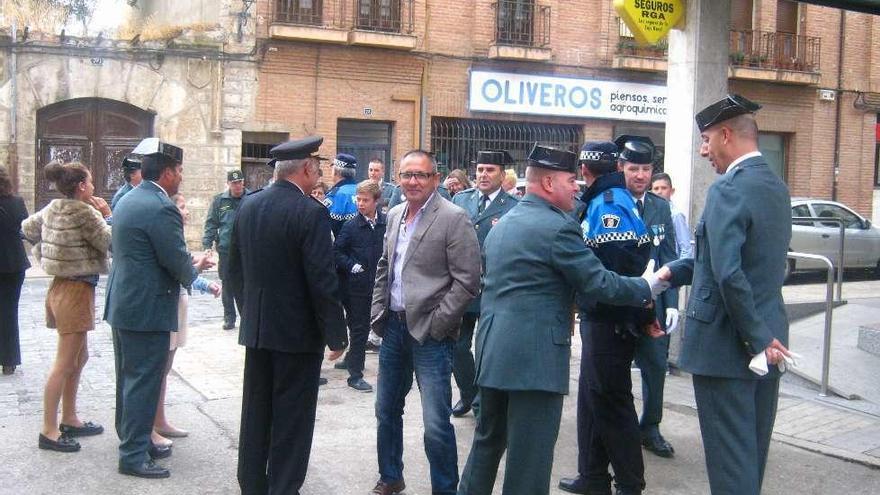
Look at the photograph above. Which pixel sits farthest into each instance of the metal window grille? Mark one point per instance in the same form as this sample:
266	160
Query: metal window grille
455	142
393	16
521	23
307	12
255	154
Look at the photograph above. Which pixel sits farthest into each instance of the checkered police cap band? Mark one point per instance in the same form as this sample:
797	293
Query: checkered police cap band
339	163
597	156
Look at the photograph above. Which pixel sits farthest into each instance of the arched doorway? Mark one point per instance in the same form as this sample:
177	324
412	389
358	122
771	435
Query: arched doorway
95	131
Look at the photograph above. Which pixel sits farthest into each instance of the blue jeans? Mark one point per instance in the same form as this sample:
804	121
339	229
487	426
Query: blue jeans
399	356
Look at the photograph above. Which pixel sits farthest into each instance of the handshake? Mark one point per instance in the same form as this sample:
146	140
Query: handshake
658	281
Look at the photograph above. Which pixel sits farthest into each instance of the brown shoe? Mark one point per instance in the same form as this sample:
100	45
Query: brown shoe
383	488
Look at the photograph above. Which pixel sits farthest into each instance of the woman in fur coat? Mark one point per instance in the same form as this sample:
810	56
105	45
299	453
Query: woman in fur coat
71	239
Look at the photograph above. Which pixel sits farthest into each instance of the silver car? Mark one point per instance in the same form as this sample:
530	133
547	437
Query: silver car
861	239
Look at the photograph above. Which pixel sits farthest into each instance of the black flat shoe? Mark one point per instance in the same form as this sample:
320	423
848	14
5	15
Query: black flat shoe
658	446
63	444
8	370
146	470
157	452
86	430
461	408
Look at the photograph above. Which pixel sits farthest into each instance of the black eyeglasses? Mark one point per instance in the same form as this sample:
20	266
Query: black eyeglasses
419	176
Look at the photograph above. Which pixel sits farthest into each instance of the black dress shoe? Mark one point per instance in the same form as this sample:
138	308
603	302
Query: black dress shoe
157	452
360	385
63	444
146	470
580	485
8	370
658	445
228	325
461	408
86	430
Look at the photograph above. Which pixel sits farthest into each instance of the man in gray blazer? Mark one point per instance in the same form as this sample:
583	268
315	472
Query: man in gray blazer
735	311
428	273
486	203
150	264
536	261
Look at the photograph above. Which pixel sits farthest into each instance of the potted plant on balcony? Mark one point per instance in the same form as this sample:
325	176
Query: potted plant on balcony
659	49
627	46
756	60
737	58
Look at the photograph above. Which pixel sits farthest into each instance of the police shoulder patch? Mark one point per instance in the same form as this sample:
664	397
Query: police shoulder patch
610	221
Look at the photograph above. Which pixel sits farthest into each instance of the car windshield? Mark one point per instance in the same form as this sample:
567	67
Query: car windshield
825	210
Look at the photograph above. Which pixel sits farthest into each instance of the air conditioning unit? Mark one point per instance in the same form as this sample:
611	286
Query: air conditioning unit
827	95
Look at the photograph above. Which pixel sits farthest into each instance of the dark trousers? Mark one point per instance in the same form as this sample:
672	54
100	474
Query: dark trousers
277	420
607	425
140	359
230	301
736	421
526	424
357	311
10	293
651	356
463	365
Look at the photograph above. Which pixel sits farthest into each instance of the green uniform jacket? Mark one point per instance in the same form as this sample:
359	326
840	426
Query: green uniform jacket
469	200
221	216
735	307
150	262
535	262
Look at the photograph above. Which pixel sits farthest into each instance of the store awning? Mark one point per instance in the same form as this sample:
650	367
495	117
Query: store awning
866	6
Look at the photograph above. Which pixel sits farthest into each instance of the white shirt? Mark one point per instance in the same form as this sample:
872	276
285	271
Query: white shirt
160	187
491	195
397	302
741	159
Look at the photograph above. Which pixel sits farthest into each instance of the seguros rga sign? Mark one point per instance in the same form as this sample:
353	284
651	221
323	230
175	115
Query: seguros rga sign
649	20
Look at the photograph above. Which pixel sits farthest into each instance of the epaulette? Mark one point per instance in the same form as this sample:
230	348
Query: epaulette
608	195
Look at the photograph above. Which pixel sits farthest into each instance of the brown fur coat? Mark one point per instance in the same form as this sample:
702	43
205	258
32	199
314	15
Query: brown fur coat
70	238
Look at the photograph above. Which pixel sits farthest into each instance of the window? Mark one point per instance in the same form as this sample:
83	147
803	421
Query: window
801	211
299	11
515	21
741	15
255	148
825	210
379	15
366	140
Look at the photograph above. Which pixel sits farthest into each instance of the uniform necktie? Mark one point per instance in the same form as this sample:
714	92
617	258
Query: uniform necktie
641	206
483	202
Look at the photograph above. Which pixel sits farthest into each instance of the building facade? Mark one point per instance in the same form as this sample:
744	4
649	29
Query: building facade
379	77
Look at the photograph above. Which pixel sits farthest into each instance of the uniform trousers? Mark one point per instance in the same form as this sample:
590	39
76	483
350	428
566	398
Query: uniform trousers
463	366
231	302
651	356
736	421
140	359
277	420
607	425
526	424
10	294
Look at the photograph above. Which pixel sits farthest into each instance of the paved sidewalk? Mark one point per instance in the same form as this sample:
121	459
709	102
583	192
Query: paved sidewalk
820	447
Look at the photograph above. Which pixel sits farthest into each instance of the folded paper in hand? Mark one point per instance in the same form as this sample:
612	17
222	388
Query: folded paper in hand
758	364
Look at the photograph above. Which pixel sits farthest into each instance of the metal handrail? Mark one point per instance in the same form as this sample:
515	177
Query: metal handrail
829	307
840	265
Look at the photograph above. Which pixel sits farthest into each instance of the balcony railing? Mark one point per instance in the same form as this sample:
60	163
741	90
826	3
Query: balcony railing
522	23
775	50
387	16
628	47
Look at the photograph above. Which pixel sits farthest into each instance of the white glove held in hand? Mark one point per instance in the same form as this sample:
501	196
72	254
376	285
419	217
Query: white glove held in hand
671	320
357	268
656	285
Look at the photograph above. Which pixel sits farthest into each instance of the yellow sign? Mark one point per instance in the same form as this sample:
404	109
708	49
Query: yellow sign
649	20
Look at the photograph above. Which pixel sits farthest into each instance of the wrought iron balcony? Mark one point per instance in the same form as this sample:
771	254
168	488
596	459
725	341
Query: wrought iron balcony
302	12
521	23
775	50
388	16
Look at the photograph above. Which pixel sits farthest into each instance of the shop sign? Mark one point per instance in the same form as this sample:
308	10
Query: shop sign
566	97
649	20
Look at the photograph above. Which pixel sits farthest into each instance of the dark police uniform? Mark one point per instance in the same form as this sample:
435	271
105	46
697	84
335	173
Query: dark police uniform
735	310
129	165
218	230
281	263
150	264
607	423
341	196
535	262
483	215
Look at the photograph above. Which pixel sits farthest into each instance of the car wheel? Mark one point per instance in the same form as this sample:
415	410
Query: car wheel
789	268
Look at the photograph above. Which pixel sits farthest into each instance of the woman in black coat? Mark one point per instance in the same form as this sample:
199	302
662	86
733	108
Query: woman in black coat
13	263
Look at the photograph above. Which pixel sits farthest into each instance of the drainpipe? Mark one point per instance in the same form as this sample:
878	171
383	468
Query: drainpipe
13	123
835	173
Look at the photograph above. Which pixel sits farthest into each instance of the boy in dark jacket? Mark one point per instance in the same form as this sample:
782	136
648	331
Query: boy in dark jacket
358	248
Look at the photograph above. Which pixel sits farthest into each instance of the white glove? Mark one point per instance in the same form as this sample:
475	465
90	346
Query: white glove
656	285
671	320
357	268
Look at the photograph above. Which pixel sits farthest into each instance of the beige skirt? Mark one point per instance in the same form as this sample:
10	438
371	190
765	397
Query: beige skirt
70	306
178	338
